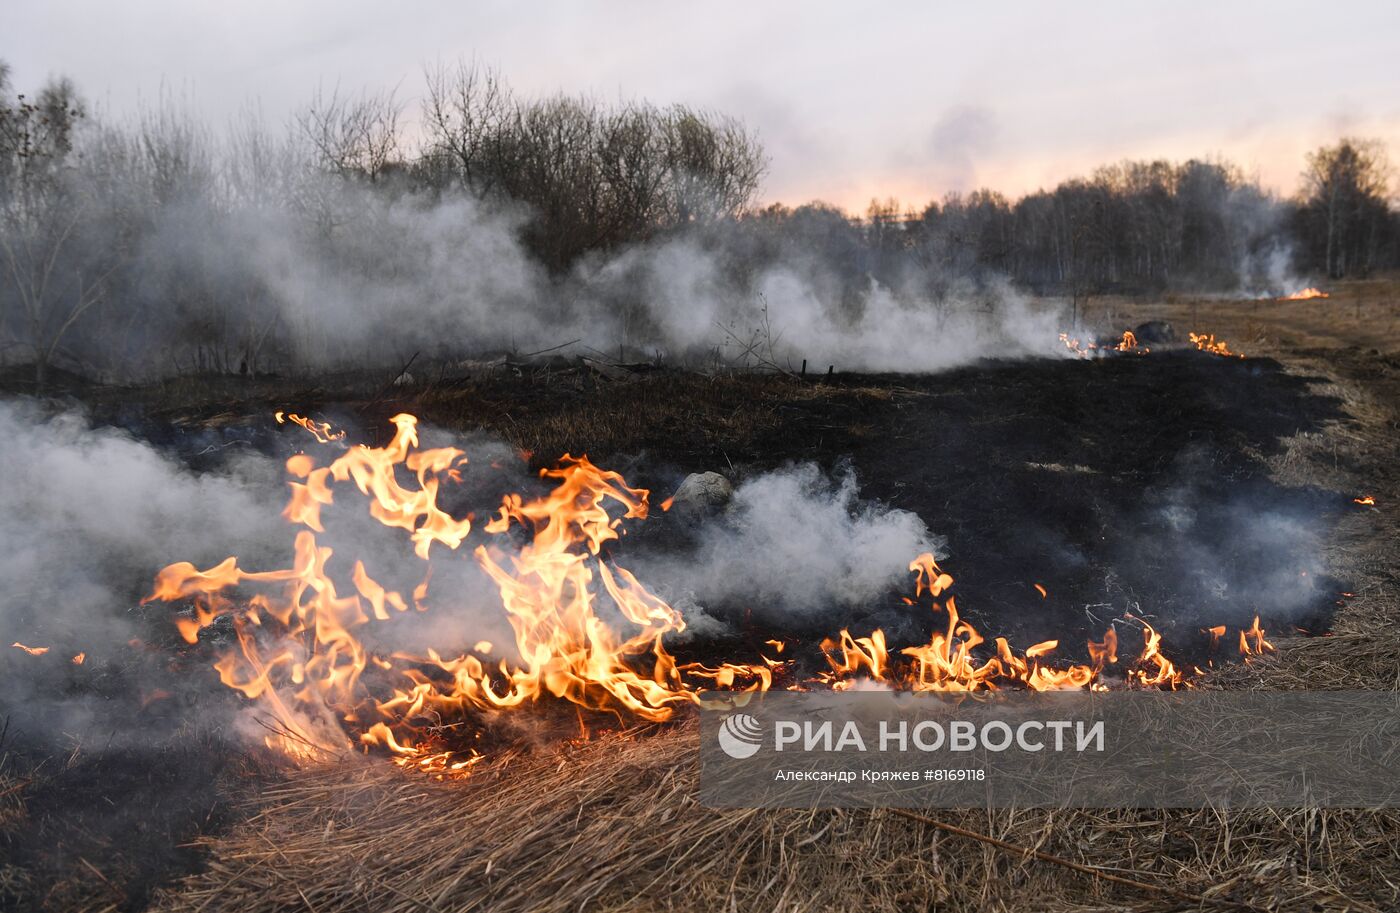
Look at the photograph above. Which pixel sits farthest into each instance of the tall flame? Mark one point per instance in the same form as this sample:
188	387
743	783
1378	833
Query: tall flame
298	655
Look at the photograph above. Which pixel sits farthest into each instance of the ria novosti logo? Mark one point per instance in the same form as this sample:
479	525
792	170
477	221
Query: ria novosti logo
740	736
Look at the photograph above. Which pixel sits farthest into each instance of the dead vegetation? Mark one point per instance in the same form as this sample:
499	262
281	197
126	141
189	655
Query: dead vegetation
613	824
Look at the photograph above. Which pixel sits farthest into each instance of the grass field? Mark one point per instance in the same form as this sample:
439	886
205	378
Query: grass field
611	823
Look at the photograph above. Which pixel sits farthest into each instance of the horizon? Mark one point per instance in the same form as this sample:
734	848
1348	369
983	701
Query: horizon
1063	96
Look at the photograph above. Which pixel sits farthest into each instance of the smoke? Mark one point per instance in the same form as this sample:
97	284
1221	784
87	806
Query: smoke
252	254
87	515
449	277
793	545
958	138
83	508
687	297
1270	273
1229	551
90	514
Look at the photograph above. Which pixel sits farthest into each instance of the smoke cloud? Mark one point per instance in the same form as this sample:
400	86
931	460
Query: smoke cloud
91	514
87	516
793	546
449	277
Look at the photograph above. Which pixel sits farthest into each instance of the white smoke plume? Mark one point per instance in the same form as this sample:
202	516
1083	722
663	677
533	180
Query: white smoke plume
449	278
91	514
793	544
87	515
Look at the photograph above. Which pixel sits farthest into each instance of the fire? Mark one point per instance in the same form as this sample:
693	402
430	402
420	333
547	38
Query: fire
32	651
1365	501
301	659
1208	343
1252	642
319	430
1128	343
1306	294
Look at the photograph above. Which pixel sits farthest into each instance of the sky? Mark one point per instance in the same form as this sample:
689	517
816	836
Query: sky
852	101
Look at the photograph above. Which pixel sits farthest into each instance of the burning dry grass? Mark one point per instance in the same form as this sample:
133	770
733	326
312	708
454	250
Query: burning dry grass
613	825
1362	313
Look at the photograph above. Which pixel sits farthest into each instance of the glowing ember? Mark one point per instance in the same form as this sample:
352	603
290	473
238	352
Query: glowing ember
1365	501
299	657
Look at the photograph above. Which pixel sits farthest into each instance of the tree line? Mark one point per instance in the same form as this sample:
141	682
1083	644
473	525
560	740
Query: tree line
1140	227
160	245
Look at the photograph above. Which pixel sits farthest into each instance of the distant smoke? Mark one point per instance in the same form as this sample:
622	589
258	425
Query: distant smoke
1270	274
958	138
449	277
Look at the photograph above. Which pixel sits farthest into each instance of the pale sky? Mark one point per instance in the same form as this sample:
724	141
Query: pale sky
852	100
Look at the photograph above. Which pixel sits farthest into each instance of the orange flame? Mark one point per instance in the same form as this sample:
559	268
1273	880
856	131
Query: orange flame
32	651
319	430
1208	343
300	659
1252	642
1128	343
1306	294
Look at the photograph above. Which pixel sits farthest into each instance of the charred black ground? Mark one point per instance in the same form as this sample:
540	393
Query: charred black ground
1123	484
1120	484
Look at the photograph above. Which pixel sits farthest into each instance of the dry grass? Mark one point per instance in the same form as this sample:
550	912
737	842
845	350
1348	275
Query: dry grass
613	825
1363	313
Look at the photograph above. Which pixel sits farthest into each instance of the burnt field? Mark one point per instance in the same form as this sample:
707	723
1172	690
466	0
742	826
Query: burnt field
1178	487
1129	482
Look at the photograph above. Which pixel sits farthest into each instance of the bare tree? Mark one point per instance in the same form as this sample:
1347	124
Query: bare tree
50	286
1344	189
464	113
353	137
